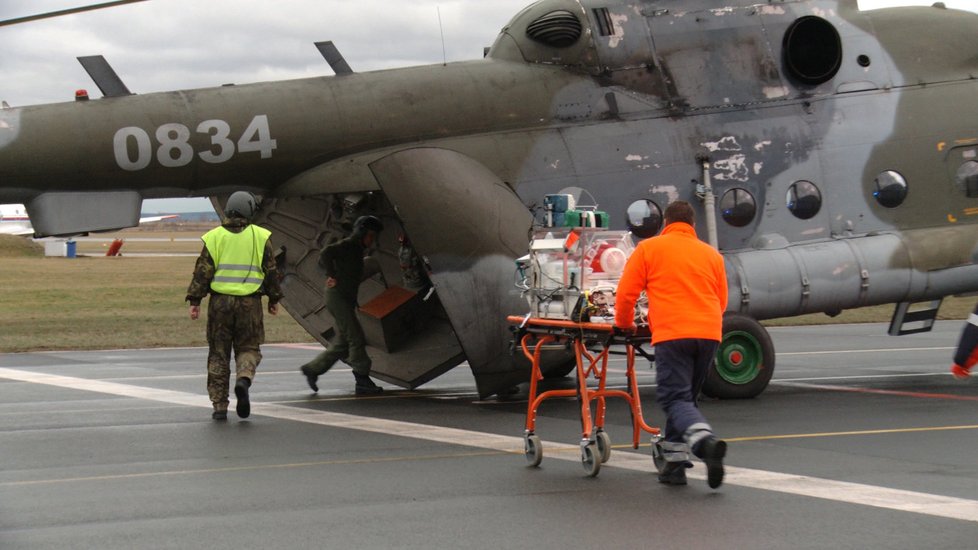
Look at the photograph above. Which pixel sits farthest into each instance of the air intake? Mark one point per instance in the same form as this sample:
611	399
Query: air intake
558	29
812	50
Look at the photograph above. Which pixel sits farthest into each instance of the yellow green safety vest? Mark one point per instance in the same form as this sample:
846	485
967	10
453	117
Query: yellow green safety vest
237	258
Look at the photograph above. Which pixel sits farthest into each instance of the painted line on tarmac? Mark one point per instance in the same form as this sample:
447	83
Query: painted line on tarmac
859	432
874	391
827	489
838	351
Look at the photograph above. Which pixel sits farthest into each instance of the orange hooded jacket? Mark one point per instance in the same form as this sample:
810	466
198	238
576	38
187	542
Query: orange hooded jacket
685	281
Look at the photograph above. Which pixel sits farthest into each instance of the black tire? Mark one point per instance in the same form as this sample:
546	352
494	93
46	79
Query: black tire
560	370
745	360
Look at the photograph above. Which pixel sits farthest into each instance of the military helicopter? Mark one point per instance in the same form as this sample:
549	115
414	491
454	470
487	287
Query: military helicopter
840	147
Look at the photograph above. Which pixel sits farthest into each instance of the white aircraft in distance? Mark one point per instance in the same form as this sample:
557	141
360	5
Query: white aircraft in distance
14	220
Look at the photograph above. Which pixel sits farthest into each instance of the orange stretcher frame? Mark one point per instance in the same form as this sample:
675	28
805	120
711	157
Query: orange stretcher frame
595	442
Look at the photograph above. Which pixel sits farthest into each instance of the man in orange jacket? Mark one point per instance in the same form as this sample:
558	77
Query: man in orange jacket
686	284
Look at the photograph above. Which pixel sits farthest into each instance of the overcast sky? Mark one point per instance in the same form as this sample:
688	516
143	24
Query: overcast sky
160	45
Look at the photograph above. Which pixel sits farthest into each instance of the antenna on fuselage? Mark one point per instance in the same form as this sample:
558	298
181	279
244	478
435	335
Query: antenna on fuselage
444	56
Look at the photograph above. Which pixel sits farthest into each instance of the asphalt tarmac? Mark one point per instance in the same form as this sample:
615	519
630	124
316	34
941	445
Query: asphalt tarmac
861	441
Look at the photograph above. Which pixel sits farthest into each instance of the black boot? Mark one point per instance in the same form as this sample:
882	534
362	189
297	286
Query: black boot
674	473
366	386
241	392
310	378
712	451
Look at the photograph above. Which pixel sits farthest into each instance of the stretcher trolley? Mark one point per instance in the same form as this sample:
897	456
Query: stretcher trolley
591	343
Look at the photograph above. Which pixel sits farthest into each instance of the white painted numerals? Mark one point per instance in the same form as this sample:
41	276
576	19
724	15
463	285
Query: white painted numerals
134	148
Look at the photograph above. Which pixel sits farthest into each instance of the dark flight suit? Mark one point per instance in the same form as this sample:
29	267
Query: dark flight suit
233	322
343	261
966	355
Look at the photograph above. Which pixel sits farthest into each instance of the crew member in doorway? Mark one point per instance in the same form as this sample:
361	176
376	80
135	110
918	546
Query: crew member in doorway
413	273
686	284
343	263
966	355
236	267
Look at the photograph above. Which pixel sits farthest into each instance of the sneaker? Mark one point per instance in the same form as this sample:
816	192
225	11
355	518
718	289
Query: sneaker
219	415
673	474
366	386
310	378
712	451
241	392
959	372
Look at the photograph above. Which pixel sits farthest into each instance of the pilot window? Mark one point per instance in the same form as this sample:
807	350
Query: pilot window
644	218
737	206
890	188
967	178
804	199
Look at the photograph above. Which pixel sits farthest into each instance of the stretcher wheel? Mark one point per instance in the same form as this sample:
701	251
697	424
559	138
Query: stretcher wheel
604	445
533	450
590	459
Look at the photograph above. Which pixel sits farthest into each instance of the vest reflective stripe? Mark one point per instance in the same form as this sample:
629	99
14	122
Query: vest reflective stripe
237	258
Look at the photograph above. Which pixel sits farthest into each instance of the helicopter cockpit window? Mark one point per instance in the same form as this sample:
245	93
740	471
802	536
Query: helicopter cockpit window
644	218
967	178
737	206
891	188
812	50
557	29
804	199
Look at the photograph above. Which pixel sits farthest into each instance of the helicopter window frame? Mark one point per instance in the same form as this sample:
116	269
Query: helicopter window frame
893	193
795	199
735	214
652	220
967	183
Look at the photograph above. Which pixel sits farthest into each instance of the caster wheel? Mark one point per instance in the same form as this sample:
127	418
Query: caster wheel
591	459
533	450
603	441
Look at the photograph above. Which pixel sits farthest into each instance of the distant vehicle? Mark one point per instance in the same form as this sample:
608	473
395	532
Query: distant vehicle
15	221
841	148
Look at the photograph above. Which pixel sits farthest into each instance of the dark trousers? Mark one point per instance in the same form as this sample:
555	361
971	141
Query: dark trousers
966	354
680	370
350	344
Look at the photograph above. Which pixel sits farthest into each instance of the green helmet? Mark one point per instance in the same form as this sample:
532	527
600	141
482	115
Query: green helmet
241	204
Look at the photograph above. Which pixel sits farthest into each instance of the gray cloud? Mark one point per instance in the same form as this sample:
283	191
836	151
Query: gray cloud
176	44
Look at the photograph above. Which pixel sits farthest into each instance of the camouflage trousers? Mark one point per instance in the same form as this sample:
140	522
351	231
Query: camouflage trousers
349	346
233	322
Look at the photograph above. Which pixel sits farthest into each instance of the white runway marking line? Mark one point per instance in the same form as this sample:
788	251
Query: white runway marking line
827	489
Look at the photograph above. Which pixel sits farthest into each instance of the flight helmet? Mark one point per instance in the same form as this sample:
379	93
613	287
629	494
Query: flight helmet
367	223
241	204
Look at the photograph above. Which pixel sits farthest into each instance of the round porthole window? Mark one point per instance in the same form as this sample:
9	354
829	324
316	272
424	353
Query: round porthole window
967	178
804	199
890	188
737	206
644	218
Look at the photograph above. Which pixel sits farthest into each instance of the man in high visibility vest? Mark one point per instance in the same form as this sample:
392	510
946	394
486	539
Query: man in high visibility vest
343	263
686	285
236	267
